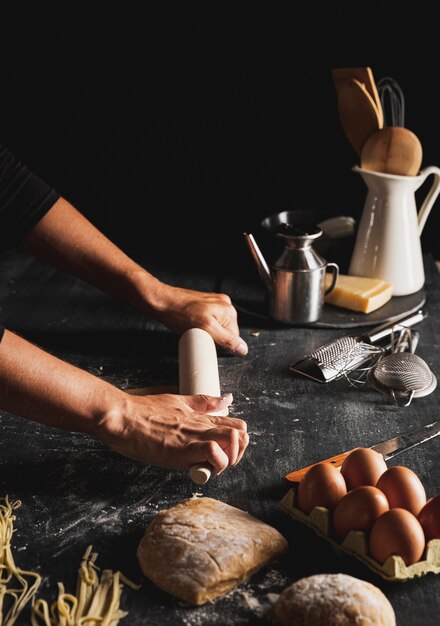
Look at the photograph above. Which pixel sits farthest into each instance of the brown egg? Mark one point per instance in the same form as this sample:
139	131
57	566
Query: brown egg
403	489
429	517
323	485
363	466
358	510
397	532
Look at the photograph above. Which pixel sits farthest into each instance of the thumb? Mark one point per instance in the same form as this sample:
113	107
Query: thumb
209	404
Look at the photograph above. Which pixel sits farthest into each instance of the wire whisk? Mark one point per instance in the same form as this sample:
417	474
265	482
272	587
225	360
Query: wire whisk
389	89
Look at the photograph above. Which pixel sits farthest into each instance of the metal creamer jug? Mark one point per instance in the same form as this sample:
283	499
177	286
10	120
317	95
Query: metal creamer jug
295	283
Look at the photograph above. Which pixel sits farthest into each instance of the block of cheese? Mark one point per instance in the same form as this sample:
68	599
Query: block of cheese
358	293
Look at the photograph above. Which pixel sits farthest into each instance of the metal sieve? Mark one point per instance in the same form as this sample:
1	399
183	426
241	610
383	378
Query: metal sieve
403	376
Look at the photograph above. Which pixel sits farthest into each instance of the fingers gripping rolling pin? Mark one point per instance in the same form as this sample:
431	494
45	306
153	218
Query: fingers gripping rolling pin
198	374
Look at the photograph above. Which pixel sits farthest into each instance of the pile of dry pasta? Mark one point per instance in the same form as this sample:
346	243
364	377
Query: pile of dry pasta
17	586
96	601
97	598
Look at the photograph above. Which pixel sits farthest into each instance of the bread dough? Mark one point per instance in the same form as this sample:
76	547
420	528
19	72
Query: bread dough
333	600
202	548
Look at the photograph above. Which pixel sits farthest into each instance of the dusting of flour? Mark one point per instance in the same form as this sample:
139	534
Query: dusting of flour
237	606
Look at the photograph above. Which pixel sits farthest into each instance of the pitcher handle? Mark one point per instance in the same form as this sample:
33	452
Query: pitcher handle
334	268
431	196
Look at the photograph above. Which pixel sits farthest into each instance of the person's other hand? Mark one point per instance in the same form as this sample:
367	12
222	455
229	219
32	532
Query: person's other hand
175	431
180	309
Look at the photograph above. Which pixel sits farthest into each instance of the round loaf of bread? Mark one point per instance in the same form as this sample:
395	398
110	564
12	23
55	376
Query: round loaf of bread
333	600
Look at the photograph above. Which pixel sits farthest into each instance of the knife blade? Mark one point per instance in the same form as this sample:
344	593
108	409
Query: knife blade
388	449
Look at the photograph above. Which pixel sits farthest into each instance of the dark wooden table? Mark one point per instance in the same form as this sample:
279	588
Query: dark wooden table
76	492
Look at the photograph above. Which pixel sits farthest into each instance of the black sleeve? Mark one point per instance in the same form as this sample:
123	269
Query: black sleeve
24	199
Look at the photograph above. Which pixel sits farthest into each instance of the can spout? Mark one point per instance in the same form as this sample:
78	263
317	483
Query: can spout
262	266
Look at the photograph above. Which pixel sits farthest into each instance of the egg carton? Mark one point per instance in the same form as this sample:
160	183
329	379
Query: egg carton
356	544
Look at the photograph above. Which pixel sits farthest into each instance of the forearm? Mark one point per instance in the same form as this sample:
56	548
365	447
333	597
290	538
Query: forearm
66	239
164	429
45	389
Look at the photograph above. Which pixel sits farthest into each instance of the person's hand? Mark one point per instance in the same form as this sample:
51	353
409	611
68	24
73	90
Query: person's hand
175	431
180	309
85	252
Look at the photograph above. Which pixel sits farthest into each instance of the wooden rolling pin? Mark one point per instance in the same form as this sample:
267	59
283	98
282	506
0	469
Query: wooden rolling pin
198	374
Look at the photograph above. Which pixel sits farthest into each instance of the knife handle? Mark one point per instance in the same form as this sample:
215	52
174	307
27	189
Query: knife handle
336	461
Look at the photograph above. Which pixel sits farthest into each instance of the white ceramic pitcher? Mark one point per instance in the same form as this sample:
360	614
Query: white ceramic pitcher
387	243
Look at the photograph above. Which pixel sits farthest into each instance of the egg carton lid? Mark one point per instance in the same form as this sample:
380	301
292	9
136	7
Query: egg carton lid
355	543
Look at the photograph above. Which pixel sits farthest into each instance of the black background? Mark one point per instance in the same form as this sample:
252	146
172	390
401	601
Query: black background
173	131
175	127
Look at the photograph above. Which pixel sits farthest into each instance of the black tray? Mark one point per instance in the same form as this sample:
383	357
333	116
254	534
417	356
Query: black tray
250	300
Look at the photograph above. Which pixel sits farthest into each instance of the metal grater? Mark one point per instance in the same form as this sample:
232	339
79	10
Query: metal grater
336	358
336	354
348	353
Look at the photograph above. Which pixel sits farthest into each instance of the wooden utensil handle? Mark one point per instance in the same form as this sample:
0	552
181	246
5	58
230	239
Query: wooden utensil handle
336	461
200	473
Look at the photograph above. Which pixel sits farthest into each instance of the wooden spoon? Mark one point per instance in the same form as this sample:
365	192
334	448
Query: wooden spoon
365	76
358	113
392	150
